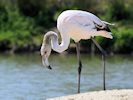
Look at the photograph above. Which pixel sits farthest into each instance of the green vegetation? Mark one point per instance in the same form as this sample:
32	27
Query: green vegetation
23	22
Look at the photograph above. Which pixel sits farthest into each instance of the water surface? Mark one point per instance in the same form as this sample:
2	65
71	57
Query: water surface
22	77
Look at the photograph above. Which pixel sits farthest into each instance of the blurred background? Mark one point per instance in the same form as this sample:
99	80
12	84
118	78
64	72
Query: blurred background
24	22
22	26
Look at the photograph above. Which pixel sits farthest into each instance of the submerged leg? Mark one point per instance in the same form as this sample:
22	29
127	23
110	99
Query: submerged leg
103	59
80	64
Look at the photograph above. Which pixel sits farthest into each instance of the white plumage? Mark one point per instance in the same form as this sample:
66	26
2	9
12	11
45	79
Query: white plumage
76	25
81	25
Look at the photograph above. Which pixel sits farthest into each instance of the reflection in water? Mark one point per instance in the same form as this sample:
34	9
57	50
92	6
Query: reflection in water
22	77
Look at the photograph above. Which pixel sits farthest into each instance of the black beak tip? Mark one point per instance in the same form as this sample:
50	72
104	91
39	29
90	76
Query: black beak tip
49	67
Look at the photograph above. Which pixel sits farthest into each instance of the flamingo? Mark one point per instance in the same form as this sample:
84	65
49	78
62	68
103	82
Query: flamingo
76	25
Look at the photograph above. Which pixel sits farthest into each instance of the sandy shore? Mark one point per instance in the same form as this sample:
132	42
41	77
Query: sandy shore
125	94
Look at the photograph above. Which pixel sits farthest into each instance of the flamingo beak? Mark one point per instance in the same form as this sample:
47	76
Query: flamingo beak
49	67
45	62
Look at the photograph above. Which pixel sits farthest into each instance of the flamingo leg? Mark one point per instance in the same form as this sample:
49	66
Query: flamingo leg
103	59
80	64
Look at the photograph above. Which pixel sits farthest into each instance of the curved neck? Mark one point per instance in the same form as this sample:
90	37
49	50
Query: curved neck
53	37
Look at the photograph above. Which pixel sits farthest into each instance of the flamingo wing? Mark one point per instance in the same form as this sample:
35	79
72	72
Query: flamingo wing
87	21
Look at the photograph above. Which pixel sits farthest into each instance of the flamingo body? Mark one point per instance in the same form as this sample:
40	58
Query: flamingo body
81	25
77	25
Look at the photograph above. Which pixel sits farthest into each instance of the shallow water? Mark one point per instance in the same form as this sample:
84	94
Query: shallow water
22	77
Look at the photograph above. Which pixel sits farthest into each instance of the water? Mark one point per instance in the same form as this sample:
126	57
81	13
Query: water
22	77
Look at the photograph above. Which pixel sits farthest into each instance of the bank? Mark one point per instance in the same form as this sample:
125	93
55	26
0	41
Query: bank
124	94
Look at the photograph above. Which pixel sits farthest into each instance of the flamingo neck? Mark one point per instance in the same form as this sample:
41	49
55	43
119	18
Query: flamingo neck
55	44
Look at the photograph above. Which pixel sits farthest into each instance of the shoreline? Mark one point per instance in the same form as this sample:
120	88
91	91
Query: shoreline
123	94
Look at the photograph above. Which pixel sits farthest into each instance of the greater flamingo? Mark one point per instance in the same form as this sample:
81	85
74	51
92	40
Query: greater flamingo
77	25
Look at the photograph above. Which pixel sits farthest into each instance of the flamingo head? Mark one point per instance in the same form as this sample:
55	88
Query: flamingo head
45	53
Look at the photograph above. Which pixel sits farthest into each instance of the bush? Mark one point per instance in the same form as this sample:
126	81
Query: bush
15	28
118	11
124	41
